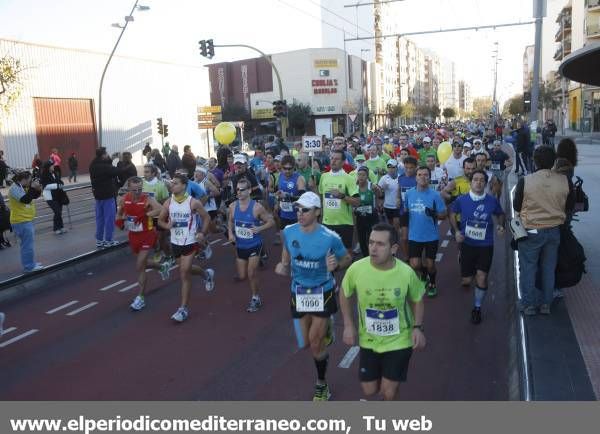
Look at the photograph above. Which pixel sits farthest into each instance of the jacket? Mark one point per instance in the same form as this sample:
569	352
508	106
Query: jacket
173	163
103	177
542	199
188	161
127	171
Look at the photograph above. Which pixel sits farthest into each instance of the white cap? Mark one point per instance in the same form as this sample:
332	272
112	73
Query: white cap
427	139
477	141
239	158
392	162
278	158
467	145
309	200
201	169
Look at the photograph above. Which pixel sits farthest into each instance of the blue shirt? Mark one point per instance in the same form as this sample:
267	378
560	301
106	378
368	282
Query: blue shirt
308	253
476	222
195	190
406	183
256	163
421	227
243	222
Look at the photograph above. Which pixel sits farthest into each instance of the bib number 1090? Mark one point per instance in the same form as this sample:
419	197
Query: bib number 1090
311	144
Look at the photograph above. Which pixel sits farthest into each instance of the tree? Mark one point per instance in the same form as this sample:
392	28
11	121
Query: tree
448	113
11	70
408	110
435	111
394	111
482	106
299	116
547	97
515	105
234	113
423	111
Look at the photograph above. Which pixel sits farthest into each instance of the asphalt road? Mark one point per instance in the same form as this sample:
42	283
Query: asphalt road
78	340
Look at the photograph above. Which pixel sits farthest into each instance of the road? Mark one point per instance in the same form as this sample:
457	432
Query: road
79	341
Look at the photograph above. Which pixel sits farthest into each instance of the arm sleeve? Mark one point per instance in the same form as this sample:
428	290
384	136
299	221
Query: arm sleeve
518	199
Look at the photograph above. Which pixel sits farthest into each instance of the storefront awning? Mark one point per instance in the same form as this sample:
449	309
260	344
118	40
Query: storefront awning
583	65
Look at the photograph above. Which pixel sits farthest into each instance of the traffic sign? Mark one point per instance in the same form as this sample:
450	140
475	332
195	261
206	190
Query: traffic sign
352	116
209	109
311	144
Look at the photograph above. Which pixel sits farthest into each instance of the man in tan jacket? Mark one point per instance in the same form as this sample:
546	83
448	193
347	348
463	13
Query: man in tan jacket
542	200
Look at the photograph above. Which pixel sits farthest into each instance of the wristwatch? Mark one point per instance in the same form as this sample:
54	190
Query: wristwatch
419	326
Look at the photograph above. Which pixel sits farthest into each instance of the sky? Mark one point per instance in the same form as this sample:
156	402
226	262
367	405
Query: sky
170	30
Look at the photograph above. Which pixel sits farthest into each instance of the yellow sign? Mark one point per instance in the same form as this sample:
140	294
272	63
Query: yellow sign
209	109
326	63
264	113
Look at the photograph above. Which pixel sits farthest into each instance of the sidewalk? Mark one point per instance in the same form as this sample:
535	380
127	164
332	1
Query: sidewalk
578	136
82	180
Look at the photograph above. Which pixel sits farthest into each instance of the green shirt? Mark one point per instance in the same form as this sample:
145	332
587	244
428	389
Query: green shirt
383	307
424	153
377	165
157	190
337	211
306	173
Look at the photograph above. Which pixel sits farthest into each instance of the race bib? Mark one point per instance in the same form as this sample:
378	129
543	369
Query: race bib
332	202
382	322
180	232
132	226
243	232
403	191
475	230
365	209
495	166
309	299
286	206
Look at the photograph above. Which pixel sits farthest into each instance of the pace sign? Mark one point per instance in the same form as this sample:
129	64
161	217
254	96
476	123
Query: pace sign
311	144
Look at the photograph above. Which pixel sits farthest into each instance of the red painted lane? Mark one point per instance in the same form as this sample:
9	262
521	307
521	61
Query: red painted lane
222	352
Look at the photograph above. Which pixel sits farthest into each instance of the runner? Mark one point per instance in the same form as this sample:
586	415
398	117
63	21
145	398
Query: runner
388	331
375	163
389	187
244	226
313	253
426	151
157	189
366	212
461	184
405	182
454	164
438	178
135	213
179	216
499	162
475	234
424	207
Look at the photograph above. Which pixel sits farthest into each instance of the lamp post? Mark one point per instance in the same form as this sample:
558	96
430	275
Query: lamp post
128	19
362	87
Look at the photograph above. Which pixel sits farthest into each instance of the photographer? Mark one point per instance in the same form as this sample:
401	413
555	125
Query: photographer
22	212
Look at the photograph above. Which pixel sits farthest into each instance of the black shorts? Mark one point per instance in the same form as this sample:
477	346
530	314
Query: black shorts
246	254
188	249
213	214
391	365
346	233
391	214
329	308
285	222
475	258
415	249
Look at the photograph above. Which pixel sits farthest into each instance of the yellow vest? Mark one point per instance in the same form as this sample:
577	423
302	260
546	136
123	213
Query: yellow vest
20	212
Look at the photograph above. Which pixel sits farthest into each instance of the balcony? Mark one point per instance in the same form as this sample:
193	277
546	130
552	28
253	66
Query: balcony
592	29
567	31
592	5
566	47
558	55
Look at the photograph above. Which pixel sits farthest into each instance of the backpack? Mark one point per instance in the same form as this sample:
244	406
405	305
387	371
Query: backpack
571	259
582	202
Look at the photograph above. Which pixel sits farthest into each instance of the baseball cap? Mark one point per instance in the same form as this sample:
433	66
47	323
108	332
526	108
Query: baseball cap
278	158
392	162
477	141
467	145
309	200
427	139
239	158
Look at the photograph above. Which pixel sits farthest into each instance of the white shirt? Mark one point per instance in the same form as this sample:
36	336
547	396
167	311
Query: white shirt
390	188
437	174
454	166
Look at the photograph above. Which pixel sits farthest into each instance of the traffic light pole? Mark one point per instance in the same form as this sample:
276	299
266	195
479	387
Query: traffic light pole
537	58
283	120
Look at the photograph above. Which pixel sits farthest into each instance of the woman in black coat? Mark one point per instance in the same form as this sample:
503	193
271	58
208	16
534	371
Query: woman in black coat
52	185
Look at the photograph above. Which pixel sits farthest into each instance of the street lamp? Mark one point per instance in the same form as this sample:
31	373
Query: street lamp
128	19
362	87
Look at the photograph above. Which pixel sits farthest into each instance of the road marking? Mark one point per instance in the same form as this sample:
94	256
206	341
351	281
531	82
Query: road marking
18	338
349	357
81	309
174	267
127	288
438	257
449	233
112	285
64	306
226	243
8	330
214	242
445	243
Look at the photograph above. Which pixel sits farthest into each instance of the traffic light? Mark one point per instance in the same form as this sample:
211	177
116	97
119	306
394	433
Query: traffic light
165	130
527	101
279	109
159	124
207	48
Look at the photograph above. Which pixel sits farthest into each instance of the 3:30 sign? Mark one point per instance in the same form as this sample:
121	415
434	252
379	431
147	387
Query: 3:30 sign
311	144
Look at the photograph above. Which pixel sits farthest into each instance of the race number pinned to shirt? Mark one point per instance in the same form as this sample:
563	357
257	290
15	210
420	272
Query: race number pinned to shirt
475	230
132	226
286	206
311	144
243	231
332	202
495	166
382	322
309	299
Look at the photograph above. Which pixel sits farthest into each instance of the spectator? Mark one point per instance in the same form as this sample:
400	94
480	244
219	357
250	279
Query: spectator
566	157
36	165
52	184
158	160
188	161
3	169
73	164
147	151
542	200
173	161
22	213
56	160
522	150
126	167
103	177
4	223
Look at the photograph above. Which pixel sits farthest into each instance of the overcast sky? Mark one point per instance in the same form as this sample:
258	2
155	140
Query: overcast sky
171	29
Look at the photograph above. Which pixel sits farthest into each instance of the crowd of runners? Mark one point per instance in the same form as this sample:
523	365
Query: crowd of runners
358	224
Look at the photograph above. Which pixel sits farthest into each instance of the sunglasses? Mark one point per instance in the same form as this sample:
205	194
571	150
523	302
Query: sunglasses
241	189
302	210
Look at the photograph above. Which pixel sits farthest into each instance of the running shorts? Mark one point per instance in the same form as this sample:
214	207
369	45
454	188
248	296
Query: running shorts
246	254
144	240
391	365
391	214
329	306
475	258
346	233
188	249
415	249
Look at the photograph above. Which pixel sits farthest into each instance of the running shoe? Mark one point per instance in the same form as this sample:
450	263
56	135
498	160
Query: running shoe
545	309
63	231
330	334
181	315
431	290
37	267
138	304
530	311
158	256
476	315
57	232
255	304
2	318
210	279
165	270
322	392
111	243
171	261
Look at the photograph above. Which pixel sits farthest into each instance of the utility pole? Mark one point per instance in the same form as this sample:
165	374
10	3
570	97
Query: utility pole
539	11
362	87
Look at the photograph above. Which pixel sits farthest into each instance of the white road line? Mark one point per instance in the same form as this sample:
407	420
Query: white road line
112	285
349	357
438	257
449	233
214	242
127	288
18	338
81	309
445	243
226	243
174	267
8	330
64	306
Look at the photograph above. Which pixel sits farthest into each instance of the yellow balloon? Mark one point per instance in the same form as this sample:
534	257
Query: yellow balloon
225	133
443	152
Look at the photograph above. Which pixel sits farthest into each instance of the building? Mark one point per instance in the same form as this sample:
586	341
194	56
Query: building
528	55
58	104
465	102
333	83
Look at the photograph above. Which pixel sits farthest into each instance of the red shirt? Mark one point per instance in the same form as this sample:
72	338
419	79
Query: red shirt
134	213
